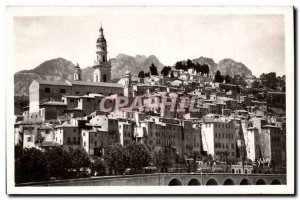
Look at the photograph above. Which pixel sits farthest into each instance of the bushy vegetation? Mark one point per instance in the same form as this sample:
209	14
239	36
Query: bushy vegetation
33	165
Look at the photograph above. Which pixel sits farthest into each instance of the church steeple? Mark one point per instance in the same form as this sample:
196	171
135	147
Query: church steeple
77	73
101	47
102	67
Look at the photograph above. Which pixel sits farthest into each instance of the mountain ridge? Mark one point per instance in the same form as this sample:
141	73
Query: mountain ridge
60	69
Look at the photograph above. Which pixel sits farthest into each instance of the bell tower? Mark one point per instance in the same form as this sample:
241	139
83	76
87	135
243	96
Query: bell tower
102	67
77	73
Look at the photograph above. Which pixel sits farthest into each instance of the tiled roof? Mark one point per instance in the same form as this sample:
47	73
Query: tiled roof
89	83
53	103
45	82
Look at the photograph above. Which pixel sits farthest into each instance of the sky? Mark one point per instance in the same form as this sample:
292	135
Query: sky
255	40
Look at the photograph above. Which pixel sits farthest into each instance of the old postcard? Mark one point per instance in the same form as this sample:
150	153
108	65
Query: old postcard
133	100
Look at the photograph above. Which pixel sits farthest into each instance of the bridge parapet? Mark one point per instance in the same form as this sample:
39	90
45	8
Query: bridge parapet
170	179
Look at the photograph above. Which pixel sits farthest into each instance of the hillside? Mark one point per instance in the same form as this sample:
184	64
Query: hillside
62	69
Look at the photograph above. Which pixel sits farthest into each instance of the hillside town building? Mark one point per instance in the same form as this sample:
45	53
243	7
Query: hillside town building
227	123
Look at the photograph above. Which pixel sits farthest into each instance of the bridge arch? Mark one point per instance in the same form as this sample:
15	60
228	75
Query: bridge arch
245	182
212	181
261	182
275	182
228	181
174	182
194	181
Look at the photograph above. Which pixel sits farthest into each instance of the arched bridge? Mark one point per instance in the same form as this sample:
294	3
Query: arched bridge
171	179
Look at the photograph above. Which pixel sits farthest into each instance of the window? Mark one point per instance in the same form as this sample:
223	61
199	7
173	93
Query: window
77	92
62	91
84	144
75	130
88	100
232	146
69	140
104	78
96	143
47	90
72	100
74	139
29	139
83	134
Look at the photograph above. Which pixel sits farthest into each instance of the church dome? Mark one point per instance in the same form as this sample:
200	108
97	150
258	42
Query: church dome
101	39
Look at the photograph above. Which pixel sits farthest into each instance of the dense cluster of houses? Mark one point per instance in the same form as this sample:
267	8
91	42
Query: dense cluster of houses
230	122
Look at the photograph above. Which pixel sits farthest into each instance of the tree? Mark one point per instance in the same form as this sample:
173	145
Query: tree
218	77
58	162
18	151
147	74
255	84
139	155
208	159
180	65
31	166
141	74
227	79
172	75
79	159
165	71
269	80
117	157
99	166
189	65
153	70
195	154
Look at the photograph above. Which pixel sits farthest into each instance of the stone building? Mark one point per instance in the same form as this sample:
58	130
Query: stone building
41	91
271	145
217	138
252	144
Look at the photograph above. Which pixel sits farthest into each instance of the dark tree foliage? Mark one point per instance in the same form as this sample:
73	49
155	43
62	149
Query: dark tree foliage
139	155
227	79
271	81
180	65
189	64
208	159
99	166
238	80
153	70
79	159
58	162
147	74
218	77
172	75
31	166
117	157
141	74
200	68
20	103
18	151
255	84
165	71
196	154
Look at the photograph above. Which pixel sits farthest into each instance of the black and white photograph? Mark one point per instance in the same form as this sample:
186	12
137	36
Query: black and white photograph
135	100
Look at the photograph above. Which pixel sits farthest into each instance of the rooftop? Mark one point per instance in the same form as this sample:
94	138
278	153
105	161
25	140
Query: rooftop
45	82
53	103
89	83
